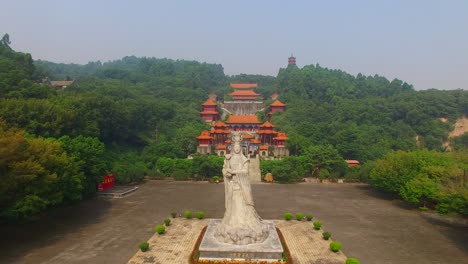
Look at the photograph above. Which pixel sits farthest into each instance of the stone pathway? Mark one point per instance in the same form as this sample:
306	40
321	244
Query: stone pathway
175	246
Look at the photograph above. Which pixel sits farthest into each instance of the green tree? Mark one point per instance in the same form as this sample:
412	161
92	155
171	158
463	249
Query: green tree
89	154
323	157
36	173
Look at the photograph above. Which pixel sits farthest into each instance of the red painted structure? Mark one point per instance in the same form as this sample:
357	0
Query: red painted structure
280	139
107	183
244	91
219	132
276	106
244	95
209	112
292	60
267	133
204	138
243	122
243	85
353	163
260	138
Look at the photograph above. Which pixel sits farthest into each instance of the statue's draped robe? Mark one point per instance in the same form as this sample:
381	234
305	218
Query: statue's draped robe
241	224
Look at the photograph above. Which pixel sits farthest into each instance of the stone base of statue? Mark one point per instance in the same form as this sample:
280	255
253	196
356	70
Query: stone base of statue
268	250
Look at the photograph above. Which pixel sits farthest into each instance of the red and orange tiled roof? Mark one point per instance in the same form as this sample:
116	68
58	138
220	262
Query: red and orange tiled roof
209	102
247	136
266	131
243	85
267	124
255	141
208	112
281	136
277	103
243	93
205	134
243	119
219	124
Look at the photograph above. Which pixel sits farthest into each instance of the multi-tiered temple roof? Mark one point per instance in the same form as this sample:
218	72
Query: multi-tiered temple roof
244	91
258	137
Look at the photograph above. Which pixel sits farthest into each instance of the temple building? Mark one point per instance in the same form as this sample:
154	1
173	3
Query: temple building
258	138
204	142
209	113
276	106
244	91
248	123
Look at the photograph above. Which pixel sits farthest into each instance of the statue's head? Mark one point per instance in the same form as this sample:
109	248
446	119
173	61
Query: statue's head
236	138
237	148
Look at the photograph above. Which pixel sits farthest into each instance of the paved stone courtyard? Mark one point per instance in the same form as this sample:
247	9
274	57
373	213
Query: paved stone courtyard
372	228
175	246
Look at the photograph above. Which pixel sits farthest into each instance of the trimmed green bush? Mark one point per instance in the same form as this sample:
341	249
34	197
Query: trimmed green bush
200	215
352	261
216	178
288	216
144	246
167	222
299	216
317	225
160	229
174	214
335	246
326	235
188	214
309	217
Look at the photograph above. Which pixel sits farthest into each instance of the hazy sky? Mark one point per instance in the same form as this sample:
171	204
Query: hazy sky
422	42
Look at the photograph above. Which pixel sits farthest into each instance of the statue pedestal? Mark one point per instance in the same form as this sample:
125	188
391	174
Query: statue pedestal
269	250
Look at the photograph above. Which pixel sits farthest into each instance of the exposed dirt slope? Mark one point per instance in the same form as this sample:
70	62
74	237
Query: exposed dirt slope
461	127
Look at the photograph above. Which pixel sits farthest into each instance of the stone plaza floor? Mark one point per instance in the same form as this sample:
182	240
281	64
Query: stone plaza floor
175	246
371	227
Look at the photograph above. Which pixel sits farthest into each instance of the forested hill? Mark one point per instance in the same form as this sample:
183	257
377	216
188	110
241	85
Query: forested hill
125	115
364	117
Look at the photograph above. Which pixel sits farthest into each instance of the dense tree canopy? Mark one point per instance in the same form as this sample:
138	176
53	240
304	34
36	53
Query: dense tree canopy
134	116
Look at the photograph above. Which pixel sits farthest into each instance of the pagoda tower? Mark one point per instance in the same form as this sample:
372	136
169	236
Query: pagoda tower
267	133
292	60
204	142
277	105
209	113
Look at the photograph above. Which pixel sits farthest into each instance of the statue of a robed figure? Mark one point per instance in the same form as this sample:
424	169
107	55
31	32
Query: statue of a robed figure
241	224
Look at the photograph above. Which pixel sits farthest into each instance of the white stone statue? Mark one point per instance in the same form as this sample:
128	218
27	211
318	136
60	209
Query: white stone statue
241	224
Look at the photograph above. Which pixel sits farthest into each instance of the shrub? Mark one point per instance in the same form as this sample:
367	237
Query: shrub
299	216
288	216
326	235
216	178
200	215
181	175
352	261
188	214
144	246
309	217
160	229
335	246
174	214
167	222
317	225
